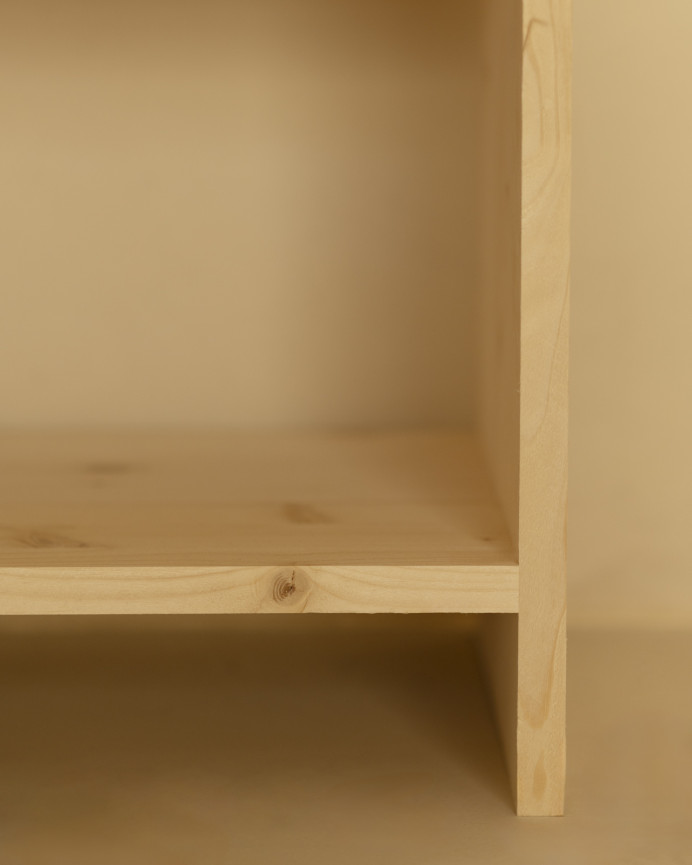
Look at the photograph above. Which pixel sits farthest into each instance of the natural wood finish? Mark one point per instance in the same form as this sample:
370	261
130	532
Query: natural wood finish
533	725
545	258
500	267
313	589
500	326
302	522
218	523
499	642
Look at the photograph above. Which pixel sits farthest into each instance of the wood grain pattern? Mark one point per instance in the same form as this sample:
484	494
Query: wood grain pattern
315	589
295	522
500	253
500	327
535	125
545	250
409	522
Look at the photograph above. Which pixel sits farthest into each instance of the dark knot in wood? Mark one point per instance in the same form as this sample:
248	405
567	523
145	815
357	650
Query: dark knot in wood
291	587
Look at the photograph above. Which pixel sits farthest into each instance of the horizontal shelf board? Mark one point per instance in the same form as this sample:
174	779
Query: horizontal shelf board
325	589
219	522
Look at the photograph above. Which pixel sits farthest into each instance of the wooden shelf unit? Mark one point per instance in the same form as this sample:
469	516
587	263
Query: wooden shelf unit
251	523
454	519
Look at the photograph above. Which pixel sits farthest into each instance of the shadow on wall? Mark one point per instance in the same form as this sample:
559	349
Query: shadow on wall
357	712
247	212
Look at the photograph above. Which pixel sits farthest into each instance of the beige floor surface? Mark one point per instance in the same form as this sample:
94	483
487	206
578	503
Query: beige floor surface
329	740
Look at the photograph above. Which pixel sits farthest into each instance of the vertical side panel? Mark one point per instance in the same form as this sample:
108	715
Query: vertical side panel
524	309
500	252
499	644
546	158
499	325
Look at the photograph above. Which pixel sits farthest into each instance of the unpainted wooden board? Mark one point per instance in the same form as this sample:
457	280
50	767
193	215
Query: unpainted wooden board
500	252
527	296
500	326
220	522
545	269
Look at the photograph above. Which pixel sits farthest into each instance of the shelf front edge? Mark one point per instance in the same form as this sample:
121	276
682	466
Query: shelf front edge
259	589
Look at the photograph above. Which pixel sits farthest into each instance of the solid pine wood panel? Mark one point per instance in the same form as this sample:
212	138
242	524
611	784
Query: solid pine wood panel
257	589
195	522
545	252
337	523
500	248
500	326
525	324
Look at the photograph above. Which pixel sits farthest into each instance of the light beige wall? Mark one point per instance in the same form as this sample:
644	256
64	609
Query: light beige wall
631	433
243	212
